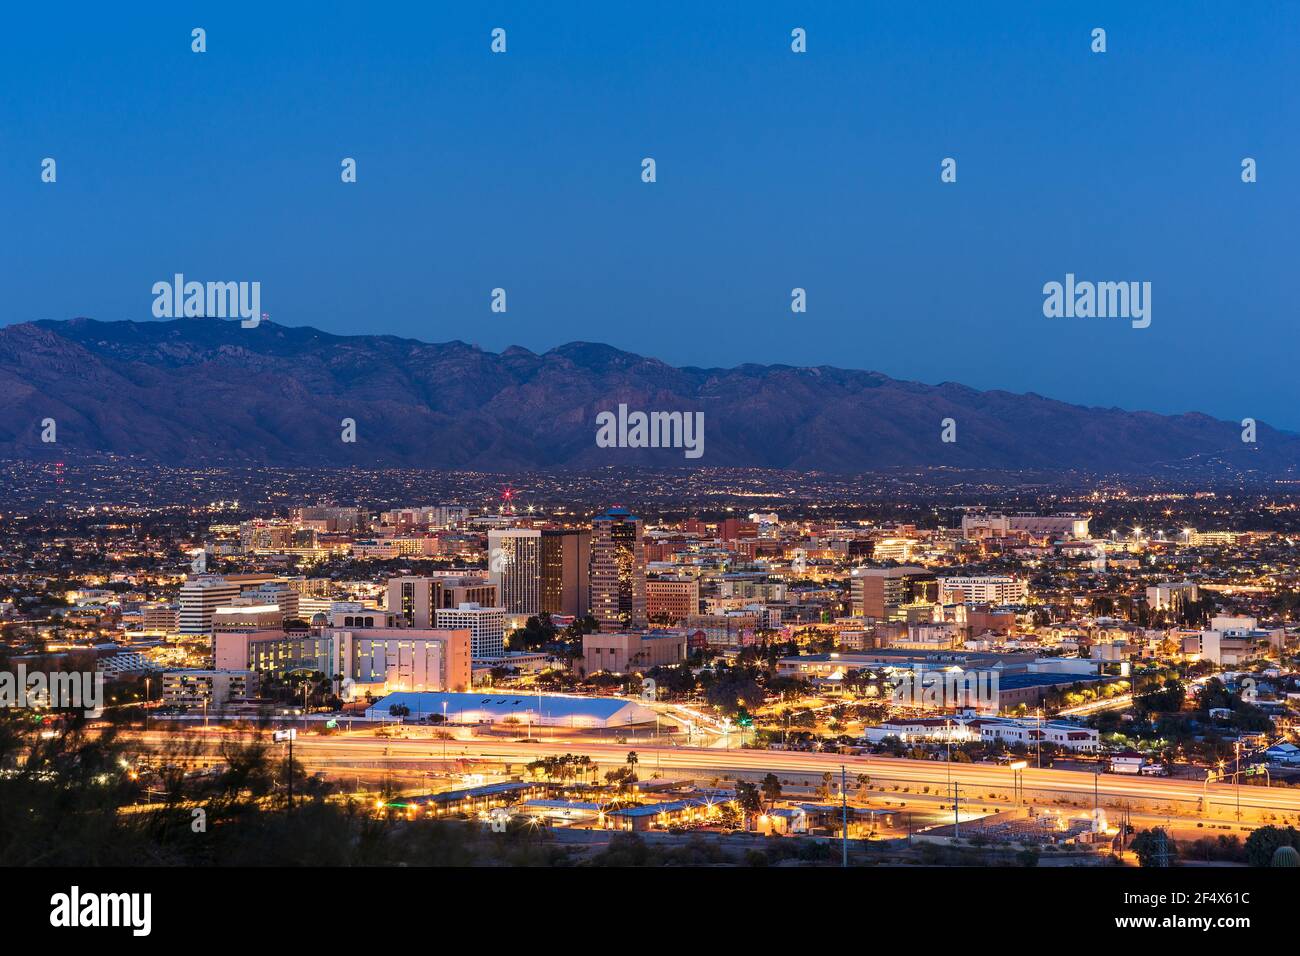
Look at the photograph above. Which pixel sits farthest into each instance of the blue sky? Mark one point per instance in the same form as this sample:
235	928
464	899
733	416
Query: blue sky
775	170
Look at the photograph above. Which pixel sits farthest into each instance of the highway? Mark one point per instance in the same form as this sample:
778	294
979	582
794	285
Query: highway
1041	786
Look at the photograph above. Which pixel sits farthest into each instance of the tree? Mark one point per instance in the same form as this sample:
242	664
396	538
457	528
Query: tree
771	788
621	777
825	790
864	786
1263	843
748	798
1155	848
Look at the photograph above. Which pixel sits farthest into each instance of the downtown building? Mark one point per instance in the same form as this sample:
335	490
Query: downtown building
566	571
200	596
515	567
1060	527
881	594
364	649
983	589
486	626
418	599
674	598
618	571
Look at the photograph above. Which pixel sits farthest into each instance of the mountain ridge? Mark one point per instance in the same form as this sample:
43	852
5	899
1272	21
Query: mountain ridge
206	391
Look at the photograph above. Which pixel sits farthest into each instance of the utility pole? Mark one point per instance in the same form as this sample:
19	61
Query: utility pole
1238	776
948	729
956	816
291	736
844	812
280	736
1040	738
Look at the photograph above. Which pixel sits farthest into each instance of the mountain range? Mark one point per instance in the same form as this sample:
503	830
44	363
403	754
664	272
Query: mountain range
208	392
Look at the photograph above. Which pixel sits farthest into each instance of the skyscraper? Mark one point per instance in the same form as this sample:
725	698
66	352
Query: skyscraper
566	571
617	570
514	566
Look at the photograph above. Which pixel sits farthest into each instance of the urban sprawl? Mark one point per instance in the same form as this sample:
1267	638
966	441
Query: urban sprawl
638	683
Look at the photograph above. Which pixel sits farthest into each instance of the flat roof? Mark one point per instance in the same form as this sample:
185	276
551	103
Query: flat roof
654	809
550	705
1016	681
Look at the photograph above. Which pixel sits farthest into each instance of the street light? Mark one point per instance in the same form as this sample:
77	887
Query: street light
1018	778
1237	774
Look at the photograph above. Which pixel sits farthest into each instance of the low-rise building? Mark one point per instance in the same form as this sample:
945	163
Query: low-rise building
210	688
623	652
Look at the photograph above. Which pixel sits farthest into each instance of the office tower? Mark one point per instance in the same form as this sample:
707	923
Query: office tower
514	566
201	596
675	598
486	626
617	570
879	593
566	571
341	520
415	599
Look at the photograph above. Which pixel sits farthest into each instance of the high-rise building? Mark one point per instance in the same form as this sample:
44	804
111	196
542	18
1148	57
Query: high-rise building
675	598
201	596
415	599
514	566
566	571
617	570
486	626
879	593
279	593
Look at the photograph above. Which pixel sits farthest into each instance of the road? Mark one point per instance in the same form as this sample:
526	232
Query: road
1180	797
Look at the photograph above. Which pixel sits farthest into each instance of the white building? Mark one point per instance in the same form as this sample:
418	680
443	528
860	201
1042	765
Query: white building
492	707
962	729
486	626
1237	640
1172	594
201	596
1031	732
984	589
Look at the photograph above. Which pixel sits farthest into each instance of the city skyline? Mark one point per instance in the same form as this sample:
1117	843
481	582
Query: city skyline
728	437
